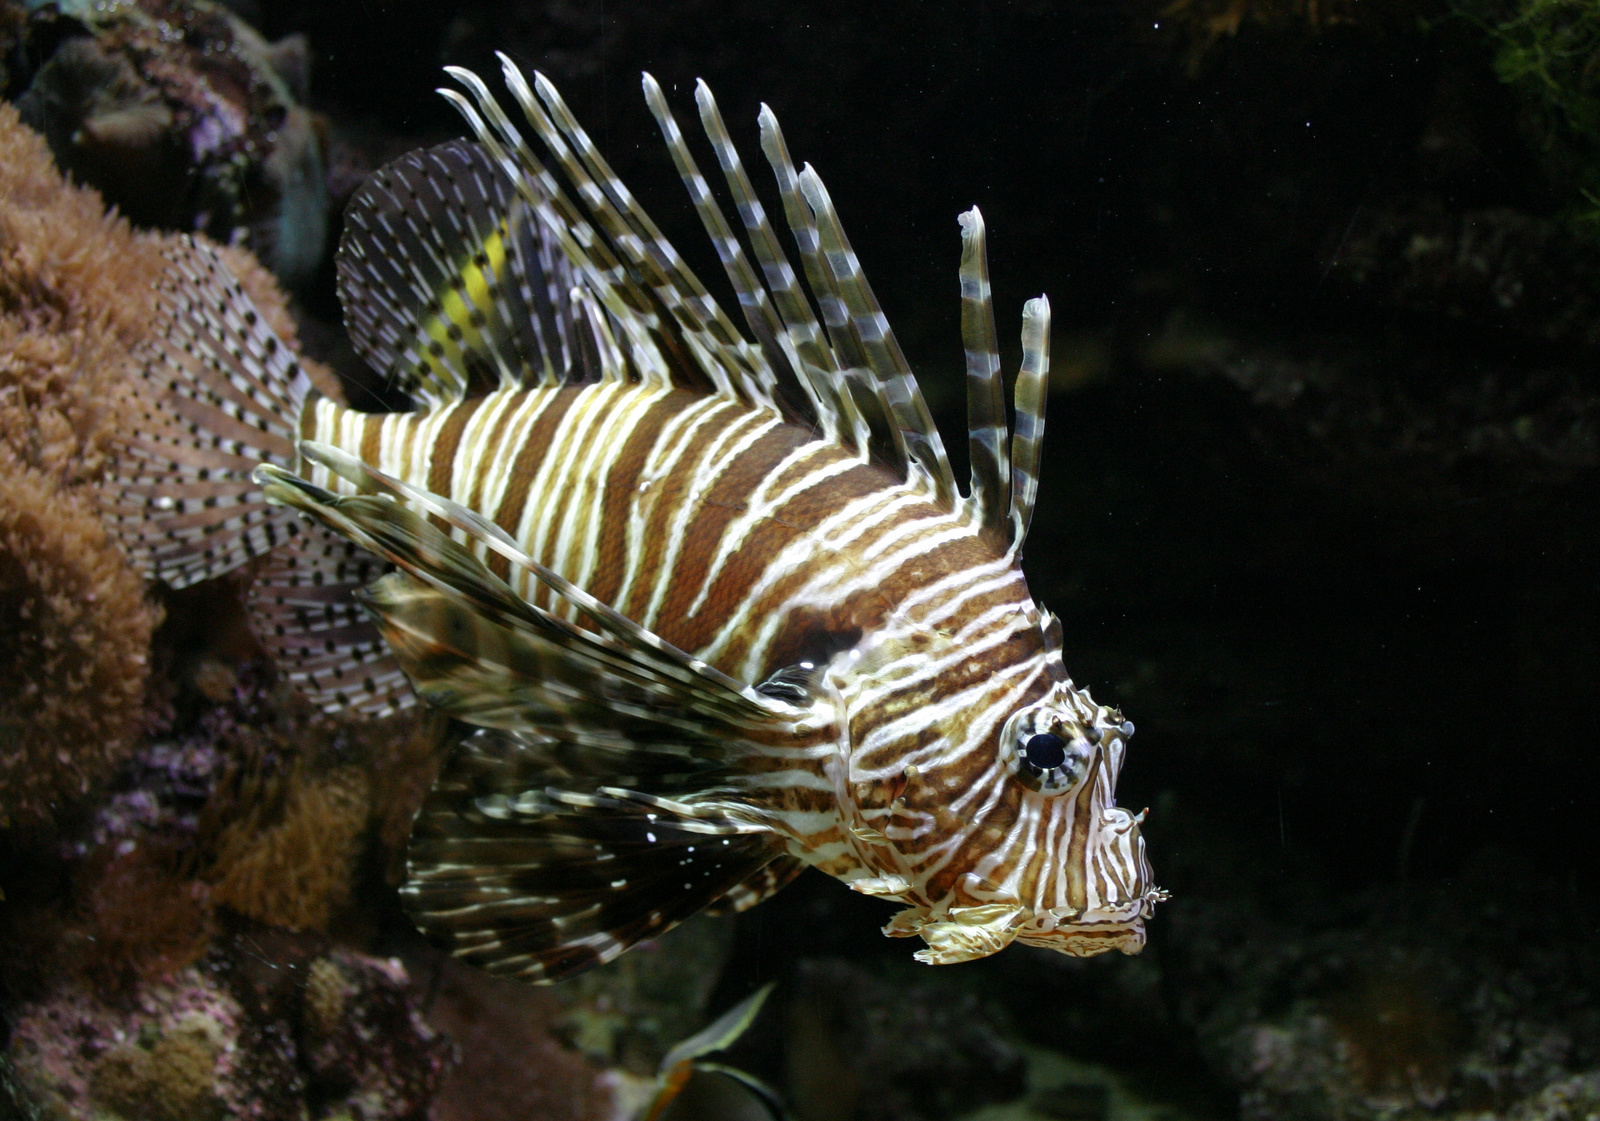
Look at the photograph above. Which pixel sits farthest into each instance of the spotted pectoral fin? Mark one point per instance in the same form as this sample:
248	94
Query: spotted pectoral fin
302	608
604	802
213	392
531	881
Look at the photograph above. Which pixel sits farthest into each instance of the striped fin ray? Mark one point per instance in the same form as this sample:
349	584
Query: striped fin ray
753	299
872	428
302	610
449	280
917	439
731	361
1028	436
607	278
219	393
811	358
640	272
990	492
540	884
857	385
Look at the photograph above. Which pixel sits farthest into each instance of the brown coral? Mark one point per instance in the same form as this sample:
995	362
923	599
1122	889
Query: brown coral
76	292
72	671
289	860
141	921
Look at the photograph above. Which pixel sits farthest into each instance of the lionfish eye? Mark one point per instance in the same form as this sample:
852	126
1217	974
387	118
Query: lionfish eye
1047	761
1046	751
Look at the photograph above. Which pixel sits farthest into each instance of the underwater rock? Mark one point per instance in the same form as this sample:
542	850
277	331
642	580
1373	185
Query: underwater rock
185	119
510	1065
1398	424
168	1057
1454	1001
337	1034
1517	272
364	1040
872	1048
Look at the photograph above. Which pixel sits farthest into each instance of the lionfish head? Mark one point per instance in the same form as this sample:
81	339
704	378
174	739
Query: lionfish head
1015	835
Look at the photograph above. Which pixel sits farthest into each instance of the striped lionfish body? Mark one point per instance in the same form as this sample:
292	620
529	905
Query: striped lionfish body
710	598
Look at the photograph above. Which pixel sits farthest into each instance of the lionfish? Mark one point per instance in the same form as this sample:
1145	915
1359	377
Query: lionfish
711	599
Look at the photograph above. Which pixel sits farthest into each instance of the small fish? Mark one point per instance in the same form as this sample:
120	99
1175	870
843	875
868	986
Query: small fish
710	597
688	1057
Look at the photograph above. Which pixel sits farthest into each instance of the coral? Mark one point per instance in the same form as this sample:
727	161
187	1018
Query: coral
74	666
140	918
72	678
186	119
1571	1099
167	1077
246	1034
364	1041
75	301
289	858
1545	50
302	800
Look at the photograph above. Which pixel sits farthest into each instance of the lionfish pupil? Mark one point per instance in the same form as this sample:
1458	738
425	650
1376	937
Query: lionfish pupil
1045	750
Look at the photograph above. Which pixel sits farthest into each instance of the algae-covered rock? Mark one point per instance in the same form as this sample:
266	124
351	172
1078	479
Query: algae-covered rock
268	1027
185	118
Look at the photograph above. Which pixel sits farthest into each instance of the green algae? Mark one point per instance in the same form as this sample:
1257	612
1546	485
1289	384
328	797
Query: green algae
1548	52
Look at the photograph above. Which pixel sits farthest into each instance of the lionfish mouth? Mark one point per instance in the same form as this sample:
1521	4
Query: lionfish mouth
966	933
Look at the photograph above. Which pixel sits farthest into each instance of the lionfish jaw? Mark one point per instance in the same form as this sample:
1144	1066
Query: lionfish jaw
962	934
969	933
1087	933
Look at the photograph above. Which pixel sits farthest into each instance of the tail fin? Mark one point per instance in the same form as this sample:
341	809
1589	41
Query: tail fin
220	394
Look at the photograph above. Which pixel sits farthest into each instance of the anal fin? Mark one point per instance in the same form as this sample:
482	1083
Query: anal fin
303	611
